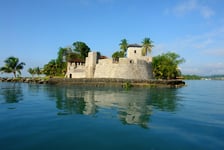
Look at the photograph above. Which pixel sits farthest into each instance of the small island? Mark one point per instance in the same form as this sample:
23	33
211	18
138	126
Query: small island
131	66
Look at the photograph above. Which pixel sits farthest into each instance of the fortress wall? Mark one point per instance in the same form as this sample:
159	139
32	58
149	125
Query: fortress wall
105	61
124	71
126	68
78	72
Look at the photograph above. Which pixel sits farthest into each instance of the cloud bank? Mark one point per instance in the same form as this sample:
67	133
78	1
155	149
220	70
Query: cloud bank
192	6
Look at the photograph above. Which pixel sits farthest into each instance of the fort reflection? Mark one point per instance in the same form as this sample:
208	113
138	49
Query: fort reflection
133	107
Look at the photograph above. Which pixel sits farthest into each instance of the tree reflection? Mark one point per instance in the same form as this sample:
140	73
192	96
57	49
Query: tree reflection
70	100
12	92
164	99
133	107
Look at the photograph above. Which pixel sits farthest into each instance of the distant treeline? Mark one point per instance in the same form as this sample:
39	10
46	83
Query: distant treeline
192	77
197	77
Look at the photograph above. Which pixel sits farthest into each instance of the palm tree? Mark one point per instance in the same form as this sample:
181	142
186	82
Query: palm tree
146	46
31	71
38	71
12	65
124	46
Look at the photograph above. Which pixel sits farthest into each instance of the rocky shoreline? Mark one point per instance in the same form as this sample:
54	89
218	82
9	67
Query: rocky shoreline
115	82
99	82
25	80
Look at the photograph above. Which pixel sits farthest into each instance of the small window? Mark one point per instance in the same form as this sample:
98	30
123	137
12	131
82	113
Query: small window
135	51
131	61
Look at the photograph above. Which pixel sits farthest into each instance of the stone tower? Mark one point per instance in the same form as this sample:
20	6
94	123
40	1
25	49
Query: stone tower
90	64
134	51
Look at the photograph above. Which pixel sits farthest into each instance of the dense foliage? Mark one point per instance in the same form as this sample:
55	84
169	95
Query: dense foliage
165	66
57	67
118	54
12	65
35	71
82	49
123	47
52	68
122	52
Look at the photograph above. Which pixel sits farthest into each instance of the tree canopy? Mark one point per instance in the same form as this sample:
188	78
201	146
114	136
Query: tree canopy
52	68
118	54
12	65
58	66
165	66
82	49
147	46
123	49
37	70
124	46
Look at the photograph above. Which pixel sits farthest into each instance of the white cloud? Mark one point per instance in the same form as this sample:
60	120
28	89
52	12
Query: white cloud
212	68
215	52
185	7
206	12
204	53
207	41
190	6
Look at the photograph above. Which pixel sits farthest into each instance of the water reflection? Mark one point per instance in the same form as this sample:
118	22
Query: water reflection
133	107
164	98
11	92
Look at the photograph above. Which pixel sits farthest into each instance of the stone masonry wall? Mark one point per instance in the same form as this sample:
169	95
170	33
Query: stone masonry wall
131	69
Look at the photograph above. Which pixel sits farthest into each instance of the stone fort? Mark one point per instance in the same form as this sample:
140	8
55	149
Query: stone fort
134	66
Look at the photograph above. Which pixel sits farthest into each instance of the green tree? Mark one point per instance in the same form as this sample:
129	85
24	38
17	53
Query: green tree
31	71
82	49
51	68
37	71
165	66
118	54
147	46
62	54
62	58
12	65
124	46
72	56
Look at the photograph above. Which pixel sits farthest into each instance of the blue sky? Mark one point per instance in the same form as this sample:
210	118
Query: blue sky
33	30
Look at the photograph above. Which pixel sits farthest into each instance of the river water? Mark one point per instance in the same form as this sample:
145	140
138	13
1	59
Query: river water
66	117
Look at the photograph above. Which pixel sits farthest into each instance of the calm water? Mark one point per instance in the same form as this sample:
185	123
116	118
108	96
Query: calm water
51	117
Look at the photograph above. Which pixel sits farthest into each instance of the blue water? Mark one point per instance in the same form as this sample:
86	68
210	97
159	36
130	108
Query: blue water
41	117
